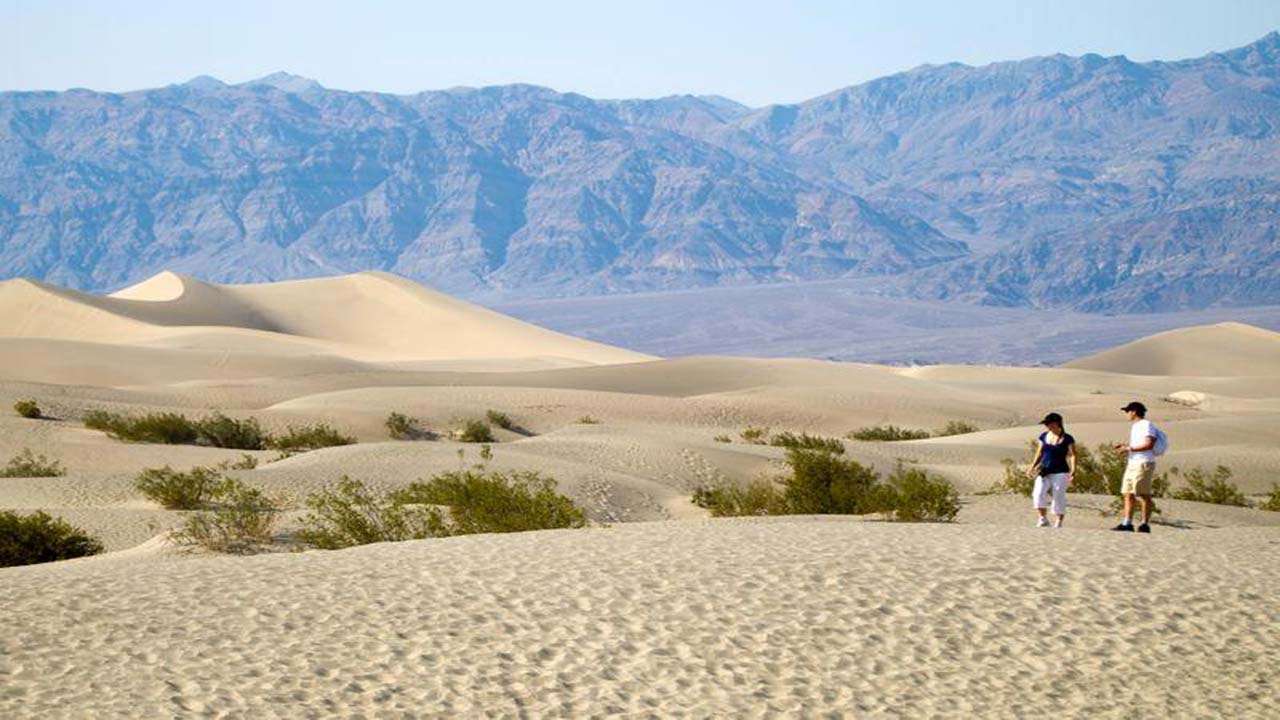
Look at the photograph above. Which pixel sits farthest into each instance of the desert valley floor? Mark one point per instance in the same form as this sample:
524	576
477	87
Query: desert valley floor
656	610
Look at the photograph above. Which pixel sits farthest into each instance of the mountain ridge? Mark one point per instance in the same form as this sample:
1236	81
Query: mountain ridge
942	177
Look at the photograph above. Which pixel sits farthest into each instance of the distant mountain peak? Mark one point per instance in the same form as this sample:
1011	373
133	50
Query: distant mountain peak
285	82
204	82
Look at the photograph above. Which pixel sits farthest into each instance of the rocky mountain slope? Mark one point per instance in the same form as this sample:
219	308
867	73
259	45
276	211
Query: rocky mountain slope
1085	182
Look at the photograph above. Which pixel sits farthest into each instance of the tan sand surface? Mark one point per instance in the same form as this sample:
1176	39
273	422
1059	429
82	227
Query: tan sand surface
679	617
797	617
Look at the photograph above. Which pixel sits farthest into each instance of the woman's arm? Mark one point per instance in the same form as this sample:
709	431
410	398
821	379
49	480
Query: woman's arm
1034	468
1071	463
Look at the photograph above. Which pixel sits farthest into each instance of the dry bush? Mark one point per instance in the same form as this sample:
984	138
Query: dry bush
913	495
28	409
1217	488
588	420
805	441
475	431
165	427
500	419
237	519
957	427
40	537
722	439
27	464
758	497
1272	502
309	437
887	433
495	502
406	427
349	514
218	430
175	490
755	435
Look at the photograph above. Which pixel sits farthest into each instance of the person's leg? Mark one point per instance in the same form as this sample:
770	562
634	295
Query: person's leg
1128	507
1146	508
1059	499
1039	501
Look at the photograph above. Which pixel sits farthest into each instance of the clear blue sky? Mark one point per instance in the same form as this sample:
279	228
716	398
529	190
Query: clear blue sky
757	52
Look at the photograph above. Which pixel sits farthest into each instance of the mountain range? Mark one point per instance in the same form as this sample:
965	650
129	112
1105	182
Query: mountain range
1090	183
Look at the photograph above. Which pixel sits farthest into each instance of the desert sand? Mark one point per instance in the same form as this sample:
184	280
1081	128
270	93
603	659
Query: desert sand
657	611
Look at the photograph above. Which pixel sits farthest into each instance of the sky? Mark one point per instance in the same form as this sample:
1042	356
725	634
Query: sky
756	52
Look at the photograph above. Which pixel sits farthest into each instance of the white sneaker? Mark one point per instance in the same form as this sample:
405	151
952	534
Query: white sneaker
1042	522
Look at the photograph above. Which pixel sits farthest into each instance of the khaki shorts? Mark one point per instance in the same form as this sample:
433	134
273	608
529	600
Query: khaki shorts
1137	478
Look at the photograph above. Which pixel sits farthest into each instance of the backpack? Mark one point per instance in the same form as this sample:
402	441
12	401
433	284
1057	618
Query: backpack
1162	441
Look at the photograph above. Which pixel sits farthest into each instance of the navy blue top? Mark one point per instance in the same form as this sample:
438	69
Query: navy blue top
1053	458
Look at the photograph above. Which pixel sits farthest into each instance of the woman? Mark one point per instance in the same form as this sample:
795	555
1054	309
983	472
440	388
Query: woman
1053	468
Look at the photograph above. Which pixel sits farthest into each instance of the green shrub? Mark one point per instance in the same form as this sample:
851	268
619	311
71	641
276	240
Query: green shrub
1200	486
27	464
758	497
475	431
350	514
957	427
723	439
175	490
913	495
404	427
499	419
755	435
821	483
218	430
309	437
39	538
495	502
1272	502
166	427
588	420
805	441
887	433
28	409
238	519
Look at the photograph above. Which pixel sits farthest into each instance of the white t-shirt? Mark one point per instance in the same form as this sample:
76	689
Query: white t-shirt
1138	435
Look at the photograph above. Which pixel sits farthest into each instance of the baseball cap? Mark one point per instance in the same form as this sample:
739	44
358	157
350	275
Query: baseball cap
1051	417
1135	406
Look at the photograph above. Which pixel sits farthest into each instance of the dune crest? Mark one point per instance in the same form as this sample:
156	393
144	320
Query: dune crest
1229	349
369	317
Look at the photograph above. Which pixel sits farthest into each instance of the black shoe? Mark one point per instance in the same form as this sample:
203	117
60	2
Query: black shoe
1124	527
1144	528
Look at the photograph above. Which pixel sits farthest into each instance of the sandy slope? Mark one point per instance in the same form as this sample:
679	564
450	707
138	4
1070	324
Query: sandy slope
1226	349
675	618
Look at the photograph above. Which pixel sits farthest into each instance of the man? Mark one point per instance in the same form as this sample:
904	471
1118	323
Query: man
1140	469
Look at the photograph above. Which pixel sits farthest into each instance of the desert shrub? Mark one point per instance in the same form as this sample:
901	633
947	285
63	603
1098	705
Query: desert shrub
913	495
246	462
500	419
166	427
175	490
40	537
758	497
723	439
957	427
887	433
495	502
755	435
28	409
805	441
403	427
309	437
588	420
1014	479
821	483
1272	502
475	431
1201	486
349	514
27	464
218	430
238	519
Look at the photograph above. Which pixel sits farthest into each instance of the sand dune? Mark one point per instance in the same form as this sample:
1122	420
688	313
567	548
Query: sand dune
1226	349
684	617
368	316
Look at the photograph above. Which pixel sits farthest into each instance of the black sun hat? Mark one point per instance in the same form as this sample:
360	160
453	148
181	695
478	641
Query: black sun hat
1052	417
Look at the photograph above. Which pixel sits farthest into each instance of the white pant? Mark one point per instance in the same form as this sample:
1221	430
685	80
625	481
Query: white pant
1054	485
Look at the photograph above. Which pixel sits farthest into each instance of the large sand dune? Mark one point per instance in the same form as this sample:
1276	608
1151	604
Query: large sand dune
679	617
